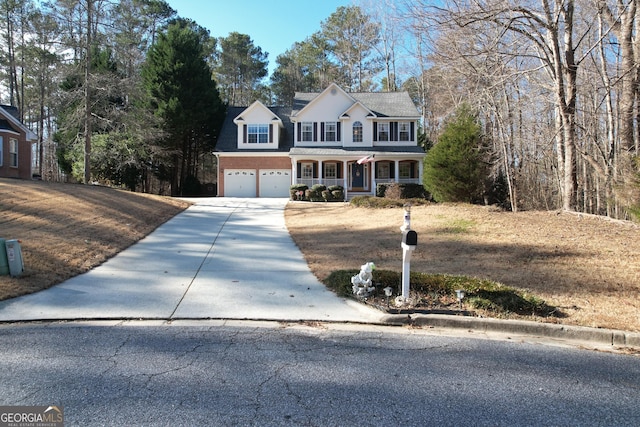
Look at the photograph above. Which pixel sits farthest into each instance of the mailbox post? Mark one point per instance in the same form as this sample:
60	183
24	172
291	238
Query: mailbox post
409	243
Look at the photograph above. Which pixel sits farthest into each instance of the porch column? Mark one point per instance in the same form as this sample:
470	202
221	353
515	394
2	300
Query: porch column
320	173
420	170
374	185
397	171
345	178
294	171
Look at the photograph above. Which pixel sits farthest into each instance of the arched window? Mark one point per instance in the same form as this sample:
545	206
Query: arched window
357	132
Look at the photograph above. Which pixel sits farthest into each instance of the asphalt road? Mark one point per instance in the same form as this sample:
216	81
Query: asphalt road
227	373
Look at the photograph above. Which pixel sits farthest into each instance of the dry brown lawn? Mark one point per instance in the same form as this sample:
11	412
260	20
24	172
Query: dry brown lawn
588	267
67	229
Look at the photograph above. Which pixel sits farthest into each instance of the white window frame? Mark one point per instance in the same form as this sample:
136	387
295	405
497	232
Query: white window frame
383	130
357	132
307	170
404	170
258	134
404	131
383	170
330	131
330	171
13	152
306	129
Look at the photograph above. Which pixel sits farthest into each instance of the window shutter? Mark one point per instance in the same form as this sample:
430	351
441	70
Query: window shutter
271	132
322	131
338	136
299	170
299	132
375	131
393	131
412	131
392	170
244	132
315	168
315	131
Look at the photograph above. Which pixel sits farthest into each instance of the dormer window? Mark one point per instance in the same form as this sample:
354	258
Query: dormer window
258	134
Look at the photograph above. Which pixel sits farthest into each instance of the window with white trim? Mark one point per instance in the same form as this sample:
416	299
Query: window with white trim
404	130
383	170
405	170
330	131
357	132
330	171
13	153
383	131
307	171
307	131
258	134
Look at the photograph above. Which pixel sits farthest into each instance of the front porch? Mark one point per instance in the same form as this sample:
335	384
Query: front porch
356	178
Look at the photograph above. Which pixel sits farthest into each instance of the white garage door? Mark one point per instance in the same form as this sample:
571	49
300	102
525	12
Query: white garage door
275	182
240	183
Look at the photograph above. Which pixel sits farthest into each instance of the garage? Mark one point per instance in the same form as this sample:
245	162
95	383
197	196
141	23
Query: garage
240	183
275	182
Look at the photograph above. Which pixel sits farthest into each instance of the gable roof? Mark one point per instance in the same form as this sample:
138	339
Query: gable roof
228	138
8	121
260	105
382	104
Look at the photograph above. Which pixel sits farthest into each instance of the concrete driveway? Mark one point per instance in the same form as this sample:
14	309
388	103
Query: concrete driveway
223	258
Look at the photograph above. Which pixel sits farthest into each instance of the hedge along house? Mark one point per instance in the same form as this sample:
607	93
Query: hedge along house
354	140
16	142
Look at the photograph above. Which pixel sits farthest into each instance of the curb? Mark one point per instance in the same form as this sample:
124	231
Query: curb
612	337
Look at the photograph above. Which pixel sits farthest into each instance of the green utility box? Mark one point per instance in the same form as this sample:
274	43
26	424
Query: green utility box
4	262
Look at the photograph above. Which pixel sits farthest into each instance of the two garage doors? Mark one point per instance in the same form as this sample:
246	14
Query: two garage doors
270	182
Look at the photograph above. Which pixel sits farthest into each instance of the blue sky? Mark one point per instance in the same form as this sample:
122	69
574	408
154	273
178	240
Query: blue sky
273	25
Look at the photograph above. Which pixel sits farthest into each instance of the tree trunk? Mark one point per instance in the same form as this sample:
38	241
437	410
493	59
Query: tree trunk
87	99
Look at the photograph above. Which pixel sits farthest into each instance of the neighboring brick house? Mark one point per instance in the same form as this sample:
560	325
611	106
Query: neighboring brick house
15	145
355	140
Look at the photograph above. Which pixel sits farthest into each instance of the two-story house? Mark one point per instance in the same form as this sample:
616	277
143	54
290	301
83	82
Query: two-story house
355	140
16	142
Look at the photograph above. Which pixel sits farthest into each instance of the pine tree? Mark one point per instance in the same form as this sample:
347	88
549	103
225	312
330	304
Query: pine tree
184	96
454	169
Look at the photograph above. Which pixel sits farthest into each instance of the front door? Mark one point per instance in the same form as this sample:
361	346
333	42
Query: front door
359	174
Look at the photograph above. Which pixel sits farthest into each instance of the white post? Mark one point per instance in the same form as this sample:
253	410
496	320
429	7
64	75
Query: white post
406	253
406	270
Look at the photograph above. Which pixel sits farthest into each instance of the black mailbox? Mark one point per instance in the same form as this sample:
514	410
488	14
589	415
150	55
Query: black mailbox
410	238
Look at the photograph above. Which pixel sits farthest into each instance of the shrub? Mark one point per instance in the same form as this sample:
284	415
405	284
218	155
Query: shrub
315	193
402	191
337	193
480	293
297	191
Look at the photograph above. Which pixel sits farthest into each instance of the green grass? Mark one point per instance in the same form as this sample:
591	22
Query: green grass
481	294
456	226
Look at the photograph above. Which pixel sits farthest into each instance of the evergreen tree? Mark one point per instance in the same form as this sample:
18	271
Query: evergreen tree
184	96
455	169
241	66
